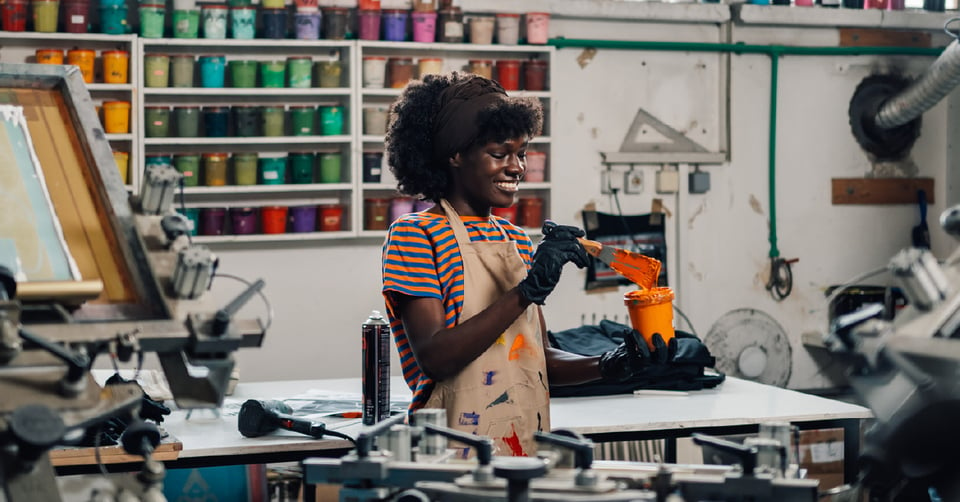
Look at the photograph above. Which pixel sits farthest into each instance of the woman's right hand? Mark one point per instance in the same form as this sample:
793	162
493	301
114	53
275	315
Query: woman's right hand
558	247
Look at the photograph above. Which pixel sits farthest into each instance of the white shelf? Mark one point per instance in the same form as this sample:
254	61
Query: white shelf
783	15
248	140
391	92
66	38
286	237
100	87
268	189
120	137
451	48
233	44
246	91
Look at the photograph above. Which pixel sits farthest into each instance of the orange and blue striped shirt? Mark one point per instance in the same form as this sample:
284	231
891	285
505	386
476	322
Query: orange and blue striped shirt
421	258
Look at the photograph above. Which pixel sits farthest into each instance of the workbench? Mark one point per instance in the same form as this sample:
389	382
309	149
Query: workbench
735	407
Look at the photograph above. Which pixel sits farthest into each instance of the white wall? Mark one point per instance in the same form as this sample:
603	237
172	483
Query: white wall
322	292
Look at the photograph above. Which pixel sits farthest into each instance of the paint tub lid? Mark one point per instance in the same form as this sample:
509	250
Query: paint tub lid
481	61
85	51
508	62
395	11
378	58
212	56
157	107
299	57
244	7
535	62
214	154
117	103
153	5
431	59
642	297
274	10
535	13
400	60
337	10
507	14
104	53
214	6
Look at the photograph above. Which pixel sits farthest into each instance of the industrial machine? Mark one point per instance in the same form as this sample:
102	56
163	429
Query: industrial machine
87	270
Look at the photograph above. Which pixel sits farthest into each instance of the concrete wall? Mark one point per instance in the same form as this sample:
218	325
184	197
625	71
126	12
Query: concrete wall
321	292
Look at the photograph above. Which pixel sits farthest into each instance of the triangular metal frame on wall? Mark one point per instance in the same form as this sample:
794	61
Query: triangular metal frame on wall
678	149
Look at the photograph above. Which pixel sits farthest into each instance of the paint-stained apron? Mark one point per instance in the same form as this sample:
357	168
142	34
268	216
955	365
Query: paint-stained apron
503	394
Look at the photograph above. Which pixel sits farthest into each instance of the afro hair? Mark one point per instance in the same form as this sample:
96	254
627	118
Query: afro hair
409	139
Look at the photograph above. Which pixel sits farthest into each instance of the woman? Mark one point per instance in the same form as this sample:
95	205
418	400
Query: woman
463	287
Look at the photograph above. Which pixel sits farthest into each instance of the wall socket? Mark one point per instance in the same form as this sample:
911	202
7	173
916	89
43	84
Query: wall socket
610	181
633	182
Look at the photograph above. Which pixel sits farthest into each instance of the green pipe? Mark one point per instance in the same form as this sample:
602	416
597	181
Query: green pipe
774	51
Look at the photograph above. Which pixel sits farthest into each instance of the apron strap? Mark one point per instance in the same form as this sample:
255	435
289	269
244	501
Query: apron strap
459	230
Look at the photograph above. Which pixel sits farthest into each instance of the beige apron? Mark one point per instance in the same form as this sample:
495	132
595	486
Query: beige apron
503	394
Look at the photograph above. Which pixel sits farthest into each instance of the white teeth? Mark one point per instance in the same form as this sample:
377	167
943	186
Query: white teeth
509	186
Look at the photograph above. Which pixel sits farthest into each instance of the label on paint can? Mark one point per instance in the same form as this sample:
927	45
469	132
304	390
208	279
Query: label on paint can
376	369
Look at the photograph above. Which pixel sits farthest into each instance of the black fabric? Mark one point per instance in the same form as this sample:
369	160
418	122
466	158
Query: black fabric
456	122
684	369
558	247
633	356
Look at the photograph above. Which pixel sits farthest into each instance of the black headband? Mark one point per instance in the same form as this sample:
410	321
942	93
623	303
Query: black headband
455	125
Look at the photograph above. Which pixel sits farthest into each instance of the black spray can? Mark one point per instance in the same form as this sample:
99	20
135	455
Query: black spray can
376	369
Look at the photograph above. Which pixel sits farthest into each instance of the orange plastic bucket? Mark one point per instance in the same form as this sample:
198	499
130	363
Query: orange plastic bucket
273	219
116	117
651	311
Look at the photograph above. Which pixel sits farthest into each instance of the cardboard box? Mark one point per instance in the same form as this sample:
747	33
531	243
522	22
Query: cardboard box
821	454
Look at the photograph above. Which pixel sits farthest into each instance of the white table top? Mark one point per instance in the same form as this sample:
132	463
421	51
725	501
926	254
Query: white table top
734	402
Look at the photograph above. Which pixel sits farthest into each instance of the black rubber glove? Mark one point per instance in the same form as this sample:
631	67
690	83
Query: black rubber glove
633	356
558	247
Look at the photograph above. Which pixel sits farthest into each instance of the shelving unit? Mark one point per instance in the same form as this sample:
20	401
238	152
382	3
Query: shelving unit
455	57
286	194
21	47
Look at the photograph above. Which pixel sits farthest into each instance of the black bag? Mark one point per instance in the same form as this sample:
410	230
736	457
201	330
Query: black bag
685	371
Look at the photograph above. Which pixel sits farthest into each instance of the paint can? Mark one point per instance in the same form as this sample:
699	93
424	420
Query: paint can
303	219
536	167
369	21
331	217
243	220
530	212
651	311
273	219
375	368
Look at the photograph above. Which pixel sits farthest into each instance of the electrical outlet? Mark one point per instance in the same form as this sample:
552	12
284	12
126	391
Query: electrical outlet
668	181
610	181
633	182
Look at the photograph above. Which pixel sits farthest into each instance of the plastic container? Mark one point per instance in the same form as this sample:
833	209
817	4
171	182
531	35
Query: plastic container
535	75
246	120
424	26
427	66
274	22
214	20
45	15
216	120
49	56
156	121
303	219
182	70
651	311
307	25
116	117
481	30
212	70
400	206
122	159
330	167
372	166
507	213
536	167
374	71
508	29
152	18
189	167
482	67
375	119
450	25
335	23
538	27
300	72
303	119
530	212
273	121
245	166
187	121
14	15
243	22
273	73
400	71
302	167
156	70
273	170
243	73
214	169
84	59
186	23
331	120
508	74
113	19
376	212
369	4
331	217
369	24
394	25
76	16
116	66
329	73
212	220
243	220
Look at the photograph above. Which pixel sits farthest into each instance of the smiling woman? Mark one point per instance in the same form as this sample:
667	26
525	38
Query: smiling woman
463	287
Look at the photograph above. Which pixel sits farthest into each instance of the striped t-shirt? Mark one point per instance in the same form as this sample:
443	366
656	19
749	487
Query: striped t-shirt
421	258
